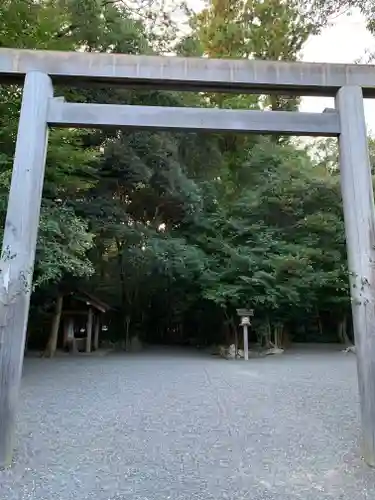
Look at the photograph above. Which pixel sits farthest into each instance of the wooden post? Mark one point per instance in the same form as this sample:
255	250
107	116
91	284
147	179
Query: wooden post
96	333
89	329
245	343
66	332
359	214
52	341
69	338
18	252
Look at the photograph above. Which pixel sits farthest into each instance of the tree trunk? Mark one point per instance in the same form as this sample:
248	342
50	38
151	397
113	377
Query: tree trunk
278	332
125	303
69	338
96	332
89	324
226	332
235	335
320	324
342	332
52	341
127	330
267	337
232	330
285	336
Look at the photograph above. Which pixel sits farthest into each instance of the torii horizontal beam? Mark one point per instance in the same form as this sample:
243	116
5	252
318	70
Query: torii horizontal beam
194	74
192	119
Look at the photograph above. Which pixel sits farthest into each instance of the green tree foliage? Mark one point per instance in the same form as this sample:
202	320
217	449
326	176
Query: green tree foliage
178	230
64	237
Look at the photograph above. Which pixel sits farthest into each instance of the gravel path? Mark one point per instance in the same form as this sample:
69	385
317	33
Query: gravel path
182	426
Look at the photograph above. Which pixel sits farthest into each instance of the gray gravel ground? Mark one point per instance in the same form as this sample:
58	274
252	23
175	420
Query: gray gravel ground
180	425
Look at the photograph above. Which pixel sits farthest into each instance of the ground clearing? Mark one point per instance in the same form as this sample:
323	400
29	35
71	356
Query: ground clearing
183	426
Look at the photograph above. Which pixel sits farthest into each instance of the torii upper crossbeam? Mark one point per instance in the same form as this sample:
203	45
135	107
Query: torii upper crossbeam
195	74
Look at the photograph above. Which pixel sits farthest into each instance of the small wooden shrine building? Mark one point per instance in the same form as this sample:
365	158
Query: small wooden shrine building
79	320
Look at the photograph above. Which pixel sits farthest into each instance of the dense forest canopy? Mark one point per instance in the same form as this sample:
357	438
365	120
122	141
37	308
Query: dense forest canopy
177	230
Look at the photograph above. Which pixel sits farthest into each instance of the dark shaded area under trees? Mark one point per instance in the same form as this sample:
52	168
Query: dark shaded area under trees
175	230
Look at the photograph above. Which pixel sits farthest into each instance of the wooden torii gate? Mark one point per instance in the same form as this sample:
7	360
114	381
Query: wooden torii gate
39	70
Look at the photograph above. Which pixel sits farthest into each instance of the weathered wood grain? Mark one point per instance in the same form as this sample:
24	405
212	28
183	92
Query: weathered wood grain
187	73
359	214
18	253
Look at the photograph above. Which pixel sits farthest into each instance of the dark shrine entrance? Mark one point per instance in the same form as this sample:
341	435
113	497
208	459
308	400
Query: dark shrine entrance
80	322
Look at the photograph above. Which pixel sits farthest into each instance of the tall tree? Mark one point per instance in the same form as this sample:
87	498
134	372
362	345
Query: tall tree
202	223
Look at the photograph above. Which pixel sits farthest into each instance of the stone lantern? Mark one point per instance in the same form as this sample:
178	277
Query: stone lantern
245	315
